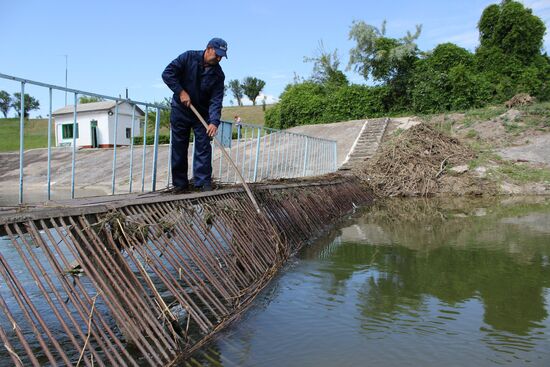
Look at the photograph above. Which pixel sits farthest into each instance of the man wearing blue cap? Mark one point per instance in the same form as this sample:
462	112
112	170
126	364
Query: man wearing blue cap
197	78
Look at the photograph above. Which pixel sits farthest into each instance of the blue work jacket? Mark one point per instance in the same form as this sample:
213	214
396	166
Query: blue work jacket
204	86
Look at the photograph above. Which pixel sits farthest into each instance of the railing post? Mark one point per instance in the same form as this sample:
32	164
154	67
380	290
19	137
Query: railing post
257	156
21	141
115	132
250	158
239	128
221	154
305	156
263	153
335	156
132	147
155	152
50	146
144	149
169	161
269	146
193	156
73	161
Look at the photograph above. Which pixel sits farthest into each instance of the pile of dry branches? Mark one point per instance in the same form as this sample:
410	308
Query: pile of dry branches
413	162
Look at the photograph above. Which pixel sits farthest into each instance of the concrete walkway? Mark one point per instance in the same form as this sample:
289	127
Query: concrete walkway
94	166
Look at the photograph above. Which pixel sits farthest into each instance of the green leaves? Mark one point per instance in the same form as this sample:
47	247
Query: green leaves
237	90
252	87
5	102
31	104
312	103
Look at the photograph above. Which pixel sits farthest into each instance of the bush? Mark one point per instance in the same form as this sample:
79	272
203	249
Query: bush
163	139
273	117
354	102
468	89
302	104
311	103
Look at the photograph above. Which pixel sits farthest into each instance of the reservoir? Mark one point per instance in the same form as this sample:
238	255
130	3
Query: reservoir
408	283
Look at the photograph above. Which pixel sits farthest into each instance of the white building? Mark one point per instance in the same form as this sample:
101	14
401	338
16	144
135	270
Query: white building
95	124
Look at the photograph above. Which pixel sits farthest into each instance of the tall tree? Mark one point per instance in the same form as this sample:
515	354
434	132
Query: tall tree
378	56
5	102
512	28
325	67
252	88
237	90
510	51
30	104
387	60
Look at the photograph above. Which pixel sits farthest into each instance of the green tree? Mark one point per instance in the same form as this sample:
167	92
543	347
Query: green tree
89	99
237	90
446	79
252	87
509	54
5	102
164	114
30	104
325	68
378	56
513	29
387	60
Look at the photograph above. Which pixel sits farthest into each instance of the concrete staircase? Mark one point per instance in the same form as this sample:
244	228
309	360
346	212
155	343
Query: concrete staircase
367	143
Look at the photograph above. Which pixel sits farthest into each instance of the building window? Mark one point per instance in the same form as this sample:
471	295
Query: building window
67	131
128	133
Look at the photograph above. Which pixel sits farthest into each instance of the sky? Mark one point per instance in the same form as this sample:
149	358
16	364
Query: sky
112	46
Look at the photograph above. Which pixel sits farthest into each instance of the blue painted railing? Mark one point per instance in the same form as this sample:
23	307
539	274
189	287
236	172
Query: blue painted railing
260	153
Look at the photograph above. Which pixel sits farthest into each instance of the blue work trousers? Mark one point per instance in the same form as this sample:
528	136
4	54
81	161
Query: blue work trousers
202	162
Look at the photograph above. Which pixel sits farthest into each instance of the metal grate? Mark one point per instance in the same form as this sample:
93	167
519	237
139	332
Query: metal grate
149	283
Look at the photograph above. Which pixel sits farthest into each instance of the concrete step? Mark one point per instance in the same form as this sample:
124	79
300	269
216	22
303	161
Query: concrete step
367	144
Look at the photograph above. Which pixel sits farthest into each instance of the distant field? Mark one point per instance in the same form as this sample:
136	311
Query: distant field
36	134
249	114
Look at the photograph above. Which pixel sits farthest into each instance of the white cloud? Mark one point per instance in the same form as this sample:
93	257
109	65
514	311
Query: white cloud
466	39
280	76
269	99
537	4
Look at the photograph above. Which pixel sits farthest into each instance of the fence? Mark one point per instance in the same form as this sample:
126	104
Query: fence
260	153
149	282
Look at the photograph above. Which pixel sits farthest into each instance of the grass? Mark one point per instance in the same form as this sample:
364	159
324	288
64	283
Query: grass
482	114
537	115
36	134
522	173
249	114
484	158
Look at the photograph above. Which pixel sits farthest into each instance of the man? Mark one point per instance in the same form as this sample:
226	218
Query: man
238	124
196	78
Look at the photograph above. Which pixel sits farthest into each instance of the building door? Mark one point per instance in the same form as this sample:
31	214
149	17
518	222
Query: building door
93	124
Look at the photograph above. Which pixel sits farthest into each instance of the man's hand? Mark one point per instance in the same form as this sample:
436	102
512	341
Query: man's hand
184	98
211	130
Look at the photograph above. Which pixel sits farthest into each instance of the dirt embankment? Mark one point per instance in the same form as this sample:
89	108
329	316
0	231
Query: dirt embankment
483	152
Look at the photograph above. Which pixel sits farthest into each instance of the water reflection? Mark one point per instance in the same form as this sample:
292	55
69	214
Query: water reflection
412	283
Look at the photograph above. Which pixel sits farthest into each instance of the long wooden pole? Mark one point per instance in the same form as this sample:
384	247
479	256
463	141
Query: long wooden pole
228	157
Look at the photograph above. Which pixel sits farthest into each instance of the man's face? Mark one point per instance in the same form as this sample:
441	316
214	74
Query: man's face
210	57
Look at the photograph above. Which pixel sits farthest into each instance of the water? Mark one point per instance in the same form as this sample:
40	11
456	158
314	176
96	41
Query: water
415	283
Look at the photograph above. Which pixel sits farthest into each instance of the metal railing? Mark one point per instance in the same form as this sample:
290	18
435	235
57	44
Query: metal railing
260	153
263	153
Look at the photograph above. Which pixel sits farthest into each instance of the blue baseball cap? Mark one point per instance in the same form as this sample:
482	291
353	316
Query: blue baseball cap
219	45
